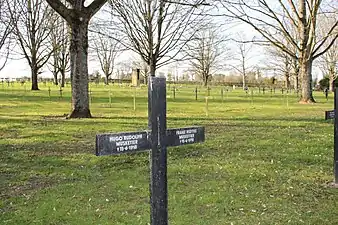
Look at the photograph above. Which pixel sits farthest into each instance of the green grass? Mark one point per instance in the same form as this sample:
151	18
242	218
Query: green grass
266	159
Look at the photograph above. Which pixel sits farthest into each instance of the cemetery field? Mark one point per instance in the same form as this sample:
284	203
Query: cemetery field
266	158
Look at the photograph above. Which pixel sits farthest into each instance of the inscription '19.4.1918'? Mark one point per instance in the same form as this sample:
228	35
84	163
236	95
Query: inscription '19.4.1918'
186	136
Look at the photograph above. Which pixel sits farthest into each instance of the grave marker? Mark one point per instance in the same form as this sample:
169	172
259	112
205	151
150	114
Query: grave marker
326	92
60	92
222	94
196	93
329	115
134	99
135	77
174	92
332	115
335	154
252	97
206	106
48	92
157	139
110	95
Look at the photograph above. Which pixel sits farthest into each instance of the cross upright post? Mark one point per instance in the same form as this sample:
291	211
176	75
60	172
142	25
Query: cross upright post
158	153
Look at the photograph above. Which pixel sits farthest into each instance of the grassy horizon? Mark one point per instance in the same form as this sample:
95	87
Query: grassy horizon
266	159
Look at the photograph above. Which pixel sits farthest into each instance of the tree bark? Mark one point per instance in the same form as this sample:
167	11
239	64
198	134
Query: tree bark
79	68
34	74
205	81
35	86
55	75
287	80
78	16
63	77
152	67
107	79
332	85
244	83
306	75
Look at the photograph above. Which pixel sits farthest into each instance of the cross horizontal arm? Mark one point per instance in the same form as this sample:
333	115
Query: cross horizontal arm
127	142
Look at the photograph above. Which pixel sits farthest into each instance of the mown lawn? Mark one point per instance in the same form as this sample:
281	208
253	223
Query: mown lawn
266	159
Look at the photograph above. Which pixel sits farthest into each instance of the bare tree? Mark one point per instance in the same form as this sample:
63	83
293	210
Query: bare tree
278	19
144	69
107	50
59	39
78	15
204	53
30	21
330	65
124	69
242	57
328	62
281	63
156	29
6	31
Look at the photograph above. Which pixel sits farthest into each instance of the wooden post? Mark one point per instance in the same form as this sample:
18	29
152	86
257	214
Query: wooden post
206	106
252	97
60	92
196	93
287	100
48	93
109	98
135	98
222	94
174	92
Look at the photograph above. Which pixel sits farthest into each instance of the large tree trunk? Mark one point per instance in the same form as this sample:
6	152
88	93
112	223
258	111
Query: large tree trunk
306	75
55	75
295	69
152	67
107	79
287	73
331	84
205	82
305	58
244	83
297	83
63	77
34	71
79	68
287	81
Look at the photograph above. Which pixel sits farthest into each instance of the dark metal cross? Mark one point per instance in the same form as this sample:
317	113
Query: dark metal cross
156	139
333	115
